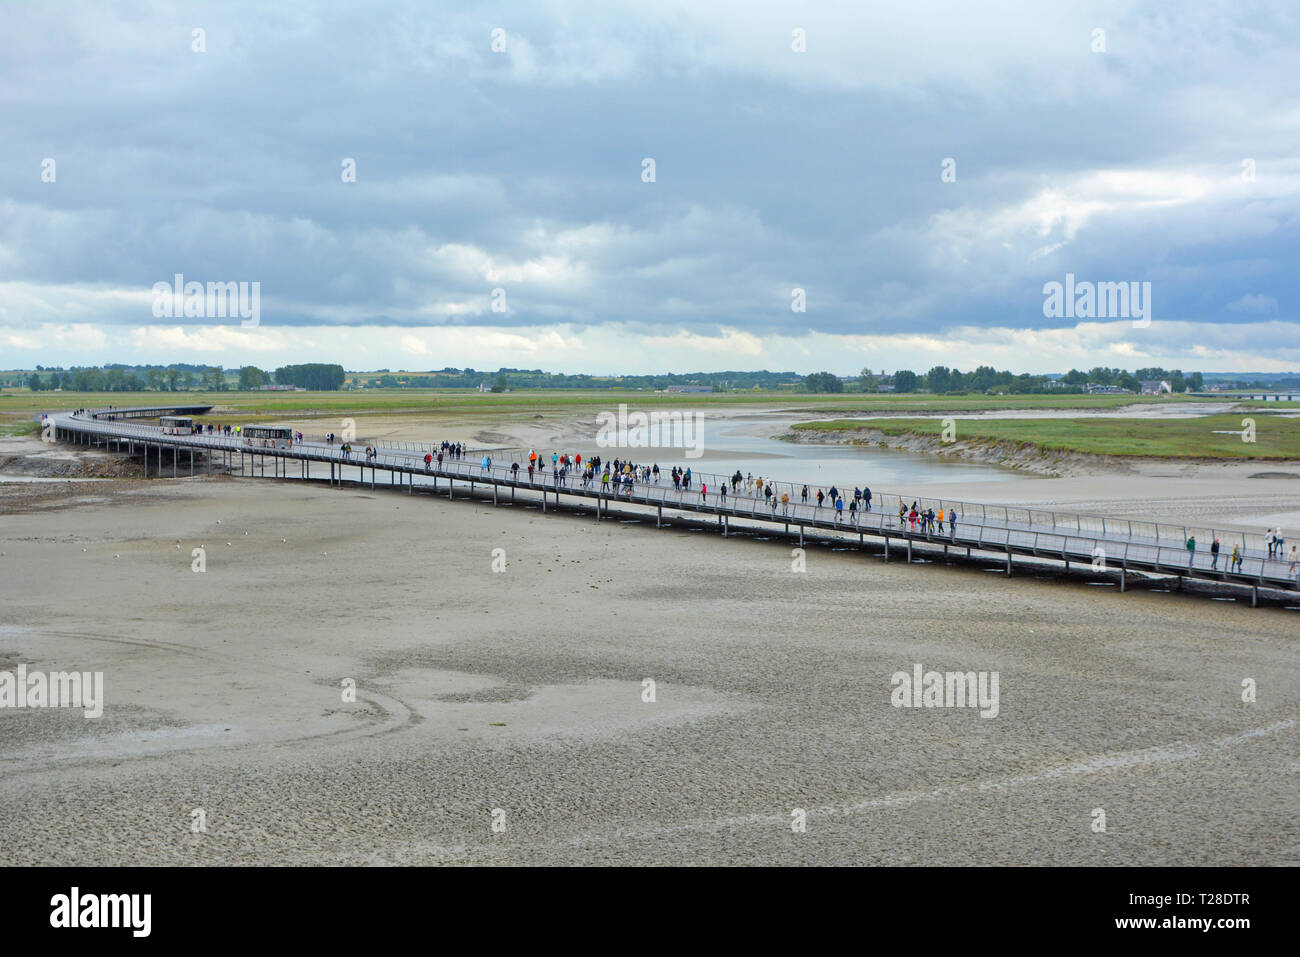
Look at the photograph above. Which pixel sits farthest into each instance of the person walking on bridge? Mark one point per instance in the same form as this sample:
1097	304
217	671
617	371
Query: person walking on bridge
428	460
939	518
1191	550
1271	541
1214	553
1234	563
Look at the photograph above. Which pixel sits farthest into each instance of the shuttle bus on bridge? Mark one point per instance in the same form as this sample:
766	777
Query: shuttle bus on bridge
267	436
176	424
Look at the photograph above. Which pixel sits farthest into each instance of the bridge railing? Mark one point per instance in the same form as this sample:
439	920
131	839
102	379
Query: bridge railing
1041	529
1028	518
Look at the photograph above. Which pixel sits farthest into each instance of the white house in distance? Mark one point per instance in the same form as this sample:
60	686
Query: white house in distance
1156	387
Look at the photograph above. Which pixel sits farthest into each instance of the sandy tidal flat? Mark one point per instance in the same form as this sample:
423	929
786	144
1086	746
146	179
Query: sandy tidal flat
523	692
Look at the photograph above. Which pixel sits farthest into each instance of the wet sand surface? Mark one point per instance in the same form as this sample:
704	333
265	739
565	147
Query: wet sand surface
524	691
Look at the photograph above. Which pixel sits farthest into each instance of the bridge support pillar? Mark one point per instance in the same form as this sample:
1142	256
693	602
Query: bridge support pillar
909	551
191	461
1254	596
1123	584
1008	564
886	549
659	517
724	525
543	500
494	494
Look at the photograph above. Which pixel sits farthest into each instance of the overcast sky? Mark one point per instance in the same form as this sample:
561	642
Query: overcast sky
1169	158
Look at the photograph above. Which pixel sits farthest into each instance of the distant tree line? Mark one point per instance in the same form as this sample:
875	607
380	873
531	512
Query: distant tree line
119	378
943	380
183	377
508	378
316	376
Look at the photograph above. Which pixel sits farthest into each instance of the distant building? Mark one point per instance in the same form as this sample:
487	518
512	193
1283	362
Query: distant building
1156	387
1095	388
689	388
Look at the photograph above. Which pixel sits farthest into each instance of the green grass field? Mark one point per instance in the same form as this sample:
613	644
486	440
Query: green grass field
1275	437
22	403
18	427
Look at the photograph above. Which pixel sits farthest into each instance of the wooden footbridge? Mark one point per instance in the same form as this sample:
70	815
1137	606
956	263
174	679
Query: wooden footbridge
1102	547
